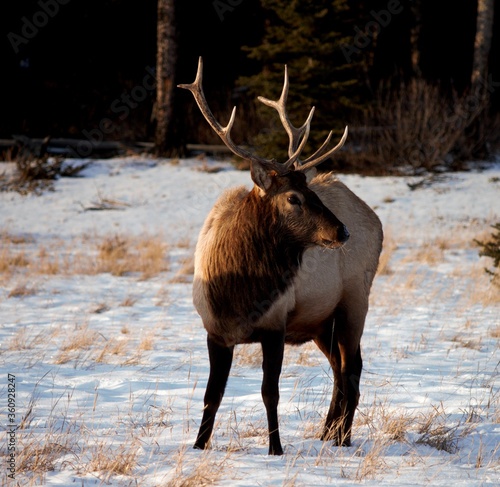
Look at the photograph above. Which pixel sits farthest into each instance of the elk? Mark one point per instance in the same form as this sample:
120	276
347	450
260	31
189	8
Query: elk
287	262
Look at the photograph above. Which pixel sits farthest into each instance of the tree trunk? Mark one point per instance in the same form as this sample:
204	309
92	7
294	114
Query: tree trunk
167	140
482	44
415	30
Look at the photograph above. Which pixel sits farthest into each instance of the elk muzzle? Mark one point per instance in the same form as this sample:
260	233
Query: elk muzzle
333	238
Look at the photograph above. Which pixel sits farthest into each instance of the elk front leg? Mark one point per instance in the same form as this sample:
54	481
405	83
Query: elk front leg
273	344
220	358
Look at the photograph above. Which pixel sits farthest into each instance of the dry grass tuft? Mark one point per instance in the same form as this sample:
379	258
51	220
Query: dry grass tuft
185	272
249	355
36	457
112	460
434	430
22	291
464	342
385	423
82	340
429	253
146	343
206	471
396	425
495	332
389	247
113	347
128	302
24	340
372	463
119	256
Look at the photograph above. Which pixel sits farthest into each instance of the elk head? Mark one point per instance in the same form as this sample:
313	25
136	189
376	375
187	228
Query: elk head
283	186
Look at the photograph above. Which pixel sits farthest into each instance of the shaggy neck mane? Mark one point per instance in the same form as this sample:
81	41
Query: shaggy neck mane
253	261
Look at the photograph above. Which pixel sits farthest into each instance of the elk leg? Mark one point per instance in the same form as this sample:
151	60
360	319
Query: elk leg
328	344
350	376
273	344
220	358
341	347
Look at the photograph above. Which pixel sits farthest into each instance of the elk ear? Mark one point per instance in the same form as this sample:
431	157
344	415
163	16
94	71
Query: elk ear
311	174
261	176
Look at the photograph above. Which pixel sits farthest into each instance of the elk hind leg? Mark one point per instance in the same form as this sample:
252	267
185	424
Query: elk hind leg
328	344
341	347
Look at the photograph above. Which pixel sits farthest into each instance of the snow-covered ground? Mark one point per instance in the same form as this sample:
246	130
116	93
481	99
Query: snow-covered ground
107	356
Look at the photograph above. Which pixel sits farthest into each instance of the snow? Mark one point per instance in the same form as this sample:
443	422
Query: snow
112	368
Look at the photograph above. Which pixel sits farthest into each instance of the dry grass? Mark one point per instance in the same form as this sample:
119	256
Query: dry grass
83	338
109	459
128	302
495	331
435	429
147	342
25	338
84	345
373	461
37	456
248	356
185	272
22	291
389	247
205	471
482	291
119	255
113	347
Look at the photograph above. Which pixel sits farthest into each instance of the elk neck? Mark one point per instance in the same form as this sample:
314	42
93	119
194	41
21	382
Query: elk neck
253	260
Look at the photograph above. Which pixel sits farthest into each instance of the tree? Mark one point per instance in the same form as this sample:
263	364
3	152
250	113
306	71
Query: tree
311	39
168	142
482	45
415	32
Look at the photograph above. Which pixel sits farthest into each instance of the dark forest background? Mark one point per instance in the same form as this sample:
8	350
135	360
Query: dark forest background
86	73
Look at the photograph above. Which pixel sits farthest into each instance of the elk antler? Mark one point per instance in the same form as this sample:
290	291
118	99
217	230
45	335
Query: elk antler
297	136
294	133
320	155
224	133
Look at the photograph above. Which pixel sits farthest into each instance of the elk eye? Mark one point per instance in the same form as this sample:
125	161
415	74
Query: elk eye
293	200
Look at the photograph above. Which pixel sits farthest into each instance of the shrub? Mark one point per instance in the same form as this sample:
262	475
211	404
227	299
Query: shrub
417	127
491	248
35	170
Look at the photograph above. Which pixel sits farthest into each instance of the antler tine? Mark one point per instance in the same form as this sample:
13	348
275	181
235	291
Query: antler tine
196	88
320	155
294	134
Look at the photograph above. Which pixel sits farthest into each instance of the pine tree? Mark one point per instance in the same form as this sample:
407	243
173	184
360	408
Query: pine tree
310	38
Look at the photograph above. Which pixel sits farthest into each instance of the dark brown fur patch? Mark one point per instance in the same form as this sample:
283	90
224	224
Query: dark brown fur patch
251	264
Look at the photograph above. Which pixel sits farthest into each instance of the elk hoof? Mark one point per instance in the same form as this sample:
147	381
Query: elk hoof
277	452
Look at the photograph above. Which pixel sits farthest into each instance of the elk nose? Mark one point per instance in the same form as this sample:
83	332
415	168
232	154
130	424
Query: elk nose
343	234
